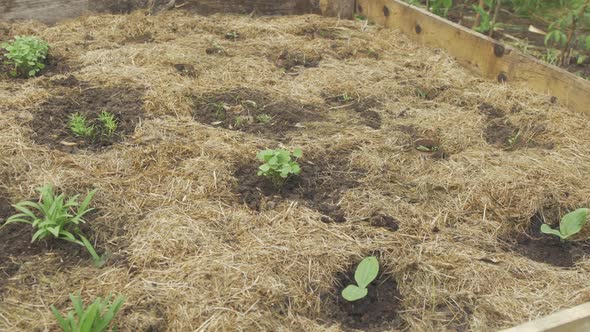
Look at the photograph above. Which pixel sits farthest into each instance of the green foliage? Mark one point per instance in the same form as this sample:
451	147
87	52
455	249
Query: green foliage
109	123
365	273
440	7
79	126
57	217
279	165
26	54
95	318
427	148
263	118
569	225
485	23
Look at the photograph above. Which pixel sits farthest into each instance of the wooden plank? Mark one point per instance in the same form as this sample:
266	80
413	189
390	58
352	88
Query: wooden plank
479	53
48	11
576	319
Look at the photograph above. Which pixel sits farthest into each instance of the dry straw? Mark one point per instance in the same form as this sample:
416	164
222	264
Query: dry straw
190	256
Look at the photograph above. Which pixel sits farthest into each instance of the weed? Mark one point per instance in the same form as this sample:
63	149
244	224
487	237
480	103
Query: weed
365	273
56	217
279	165
263	118
79	126
220	112
95	318
232	35
569	225
109	123
26	54
424	148
513	140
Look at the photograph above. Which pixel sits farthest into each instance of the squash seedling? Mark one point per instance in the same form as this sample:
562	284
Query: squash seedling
56	217
569	225
26	54
279	165
365	273
97	317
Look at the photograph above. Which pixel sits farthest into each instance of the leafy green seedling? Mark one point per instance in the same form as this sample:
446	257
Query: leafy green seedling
80	127
97	317
569	225
279	165
109	123
512	140
424	148
232	35
365	273
26	54
263	118
56	217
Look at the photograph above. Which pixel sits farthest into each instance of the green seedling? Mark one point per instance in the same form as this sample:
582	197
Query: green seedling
232	35
56	217
109	123
424	148
26	54
97	317
279	165
80	127
365	273
345	98
512	140
263	118
220	112
569	225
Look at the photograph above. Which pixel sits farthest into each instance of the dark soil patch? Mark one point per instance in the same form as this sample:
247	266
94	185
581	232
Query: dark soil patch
323	180
424	142
384	221
253	111
546	248
314	31
290	61
363	106
215	50
186	69
503	134
378	311
491	111
51	121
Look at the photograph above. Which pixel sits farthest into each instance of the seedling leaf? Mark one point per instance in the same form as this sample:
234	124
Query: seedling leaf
573	222
366	271
353	293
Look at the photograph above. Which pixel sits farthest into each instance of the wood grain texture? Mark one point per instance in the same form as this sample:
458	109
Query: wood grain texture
576	319
48	11
479	53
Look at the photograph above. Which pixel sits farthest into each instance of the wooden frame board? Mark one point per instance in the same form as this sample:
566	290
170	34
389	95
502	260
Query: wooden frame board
483	55
576	319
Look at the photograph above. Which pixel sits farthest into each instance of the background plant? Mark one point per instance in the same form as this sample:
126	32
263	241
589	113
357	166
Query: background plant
95	318
55	216
569	225
26	54
365	273
279	165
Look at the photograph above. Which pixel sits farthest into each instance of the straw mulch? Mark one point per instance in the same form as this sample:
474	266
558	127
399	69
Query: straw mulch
190	254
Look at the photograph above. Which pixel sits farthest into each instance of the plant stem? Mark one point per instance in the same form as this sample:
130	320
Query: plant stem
496	10
477	16
563	58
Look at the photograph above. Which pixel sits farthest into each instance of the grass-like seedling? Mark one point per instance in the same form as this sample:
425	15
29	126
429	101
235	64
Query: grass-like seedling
263	118
109	123
424	148
97	317
513	140
569	225
79	126
279	165
56	217
365	273
26	54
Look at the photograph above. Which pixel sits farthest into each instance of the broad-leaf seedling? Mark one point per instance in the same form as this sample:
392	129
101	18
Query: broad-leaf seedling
279	165
365	273
97	317
569	225
26	54
56	217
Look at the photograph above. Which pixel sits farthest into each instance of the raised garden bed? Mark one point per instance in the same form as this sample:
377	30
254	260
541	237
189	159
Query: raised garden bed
407	156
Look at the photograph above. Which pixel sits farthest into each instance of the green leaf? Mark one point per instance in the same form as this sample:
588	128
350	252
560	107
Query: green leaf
367	271
264	168
60	319
353	293
573	222
548	230
297	153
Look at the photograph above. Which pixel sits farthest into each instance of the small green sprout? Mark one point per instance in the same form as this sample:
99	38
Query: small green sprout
512	140
365	273
279	165
79	126
56	217
424	148
239	121
263	118
95	318
420	93
109	123
569	225
26	54
232	35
